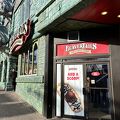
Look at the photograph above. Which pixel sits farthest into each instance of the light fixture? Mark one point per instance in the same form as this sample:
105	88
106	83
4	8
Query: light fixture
104	13
118	16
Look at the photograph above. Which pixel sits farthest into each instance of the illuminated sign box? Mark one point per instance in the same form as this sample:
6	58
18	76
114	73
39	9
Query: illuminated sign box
82	48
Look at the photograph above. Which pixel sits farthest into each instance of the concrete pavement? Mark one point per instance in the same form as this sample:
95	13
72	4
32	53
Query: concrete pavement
13	107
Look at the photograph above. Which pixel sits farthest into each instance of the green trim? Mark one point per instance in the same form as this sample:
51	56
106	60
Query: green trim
30	79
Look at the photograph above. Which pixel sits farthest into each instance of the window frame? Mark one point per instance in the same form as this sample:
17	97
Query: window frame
23	62
35	45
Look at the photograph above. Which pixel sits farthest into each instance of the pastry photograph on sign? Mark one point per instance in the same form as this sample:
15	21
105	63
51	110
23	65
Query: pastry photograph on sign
71	92
71	97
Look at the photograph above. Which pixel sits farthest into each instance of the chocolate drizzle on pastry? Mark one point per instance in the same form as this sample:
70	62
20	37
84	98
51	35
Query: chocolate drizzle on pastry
72	98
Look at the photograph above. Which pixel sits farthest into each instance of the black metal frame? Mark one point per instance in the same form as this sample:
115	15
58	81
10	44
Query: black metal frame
62	83
48	78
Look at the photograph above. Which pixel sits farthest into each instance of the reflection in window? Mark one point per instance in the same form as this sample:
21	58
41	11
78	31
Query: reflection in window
23	64
35	60
98	73
26	63
29	61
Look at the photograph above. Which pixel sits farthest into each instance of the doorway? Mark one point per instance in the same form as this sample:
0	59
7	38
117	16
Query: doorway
83	90
98	91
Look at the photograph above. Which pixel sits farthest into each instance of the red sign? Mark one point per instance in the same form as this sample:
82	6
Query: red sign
82	48
21	37
95	73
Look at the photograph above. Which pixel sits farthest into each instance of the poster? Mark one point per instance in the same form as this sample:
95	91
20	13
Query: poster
58	94
73	94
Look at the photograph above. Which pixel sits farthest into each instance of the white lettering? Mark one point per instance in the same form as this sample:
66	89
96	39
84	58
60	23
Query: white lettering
94	46
81	46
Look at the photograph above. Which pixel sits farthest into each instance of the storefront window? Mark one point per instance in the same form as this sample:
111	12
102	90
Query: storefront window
73	36
35	59
29	61
22	63
26	63
22	14
1	64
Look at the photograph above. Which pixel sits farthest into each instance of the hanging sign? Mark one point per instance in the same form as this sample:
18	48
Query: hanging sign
95	73
20	37
82	48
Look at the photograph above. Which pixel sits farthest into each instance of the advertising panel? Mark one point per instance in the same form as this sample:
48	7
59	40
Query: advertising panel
58	93
73	90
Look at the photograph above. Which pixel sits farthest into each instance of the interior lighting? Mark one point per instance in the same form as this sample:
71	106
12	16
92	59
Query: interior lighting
104	13
118	16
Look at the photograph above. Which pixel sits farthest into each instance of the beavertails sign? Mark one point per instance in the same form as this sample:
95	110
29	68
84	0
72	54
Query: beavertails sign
18	39
82	48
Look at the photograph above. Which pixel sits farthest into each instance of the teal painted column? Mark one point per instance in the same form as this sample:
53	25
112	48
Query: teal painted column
7	75
2	76
11	63
3	70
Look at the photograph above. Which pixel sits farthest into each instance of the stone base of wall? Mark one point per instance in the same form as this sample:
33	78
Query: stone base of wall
2	85
6	86
32	92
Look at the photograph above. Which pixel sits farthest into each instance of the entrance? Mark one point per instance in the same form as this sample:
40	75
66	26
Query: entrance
83	91
98	91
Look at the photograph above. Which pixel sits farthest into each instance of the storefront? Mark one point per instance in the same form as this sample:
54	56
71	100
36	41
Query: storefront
69	76
83	78
83	86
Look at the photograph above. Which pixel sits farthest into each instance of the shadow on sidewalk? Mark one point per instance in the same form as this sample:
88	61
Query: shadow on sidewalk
11	105
5	98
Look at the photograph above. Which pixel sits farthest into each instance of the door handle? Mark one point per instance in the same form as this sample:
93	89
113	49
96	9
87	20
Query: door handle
84	91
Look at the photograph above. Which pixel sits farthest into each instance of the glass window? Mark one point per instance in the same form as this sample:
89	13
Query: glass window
30	70
73	36
35	59
29	61
26	63
98	90
22	14
22	63
27	9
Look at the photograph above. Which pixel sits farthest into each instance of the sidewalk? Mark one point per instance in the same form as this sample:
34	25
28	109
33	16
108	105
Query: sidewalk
12	107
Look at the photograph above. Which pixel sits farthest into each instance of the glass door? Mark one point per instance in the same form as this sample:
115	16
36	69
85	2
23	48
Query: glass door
83	91
98	91
73	98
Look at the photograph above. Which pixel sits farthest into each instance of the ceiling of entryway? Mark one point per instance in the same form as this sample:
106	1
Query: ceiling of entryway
88	16
102	11
73	25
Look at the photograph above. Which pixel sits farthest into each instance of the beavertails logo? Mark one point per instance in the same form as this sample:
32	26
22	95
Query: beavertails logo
81	48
